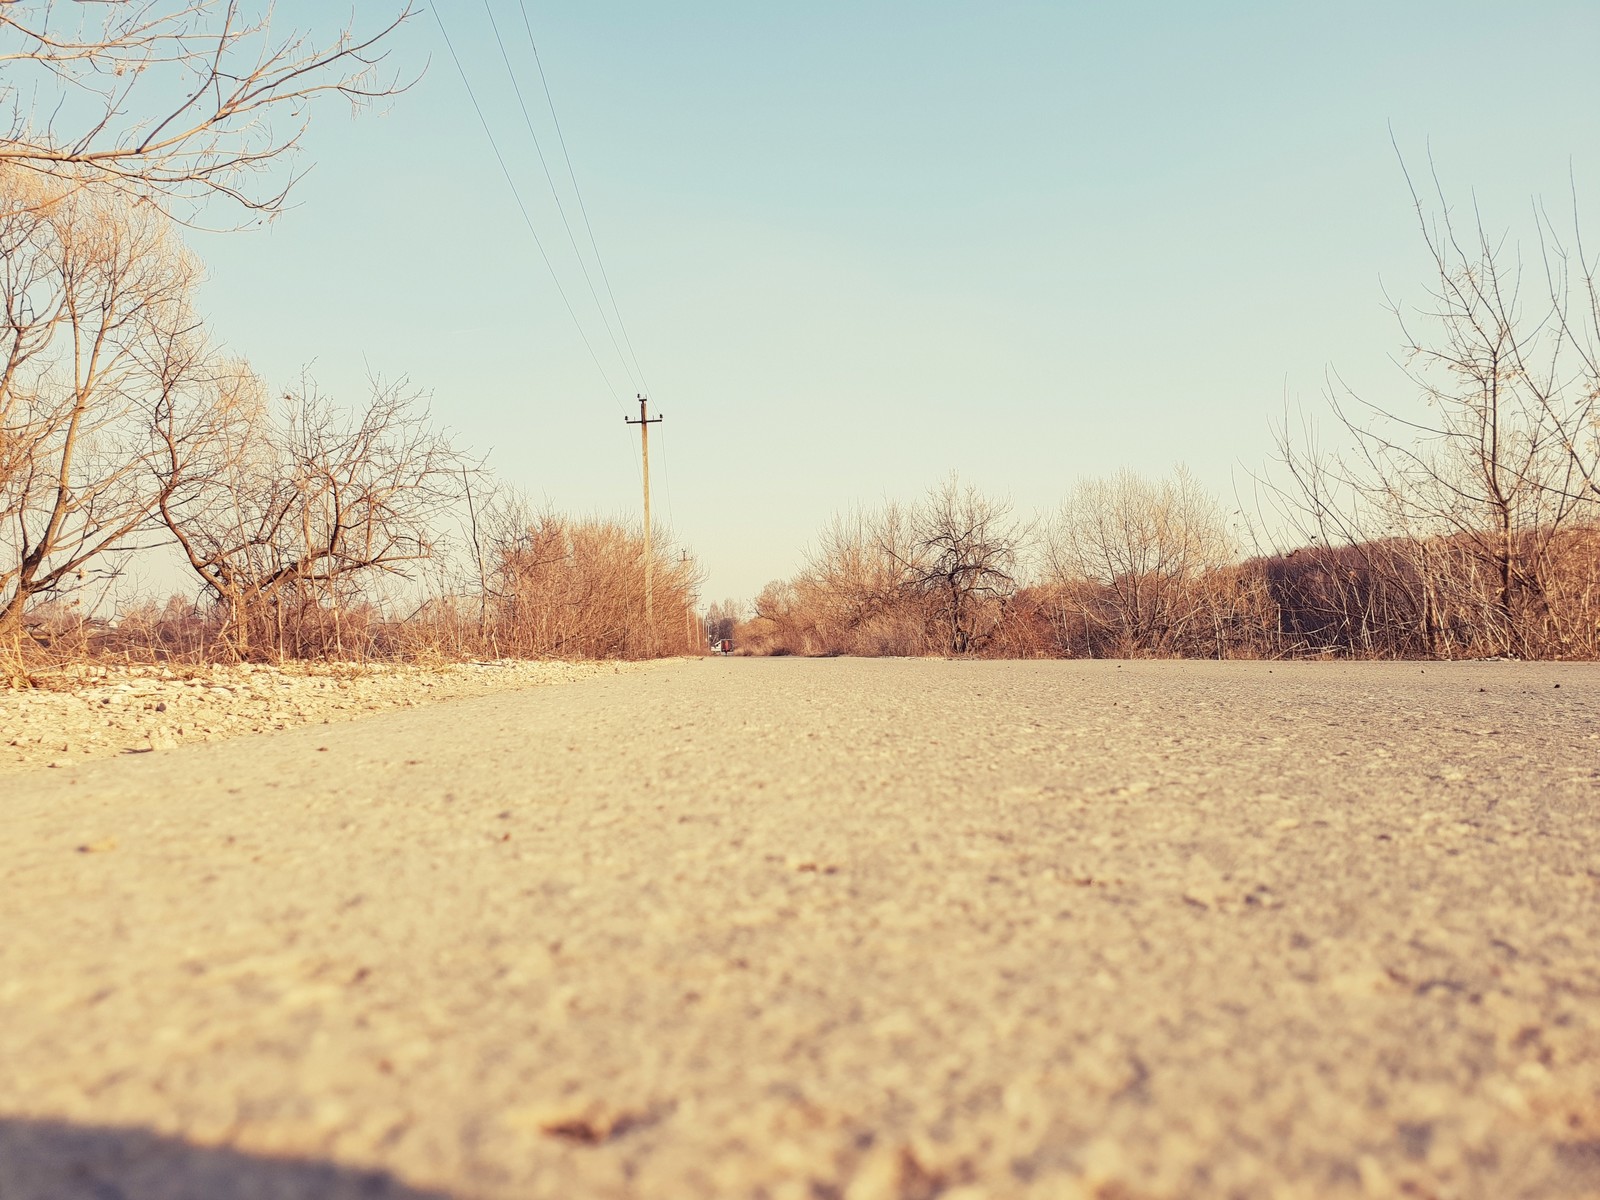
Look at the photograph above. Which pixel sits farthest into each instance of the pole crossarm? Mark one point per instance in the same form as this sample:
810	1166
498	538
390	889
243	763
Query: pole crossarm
642	419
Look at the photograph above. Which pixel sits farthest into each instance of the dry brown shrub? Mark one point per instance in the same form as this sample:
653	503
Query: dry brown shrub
561	587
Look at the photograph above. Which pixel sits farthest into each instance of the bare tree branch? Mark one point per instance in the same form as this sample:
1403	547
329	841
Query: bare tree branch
175	103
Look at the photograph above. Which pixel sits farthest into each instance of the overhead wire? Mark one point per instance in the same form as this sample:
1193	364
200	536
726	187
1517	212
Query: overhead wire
666	475
629	361
578	192
632	370
523	208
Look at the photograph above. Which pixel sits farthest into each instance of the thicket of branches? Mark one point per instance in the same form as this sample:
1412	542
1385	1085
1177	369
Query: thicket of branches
556	586
1130	567
176	103
1126	567
1466	523
905	580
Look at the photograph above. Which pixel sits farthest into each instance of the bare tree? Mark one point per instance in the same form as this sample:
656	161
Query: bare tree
965	553
173	101
856	594
99	336
297	504
1152	553
1485	482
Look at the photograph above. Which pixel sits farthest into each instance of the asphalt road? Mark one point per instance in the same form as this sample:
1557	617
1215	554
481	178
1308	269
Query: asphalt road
831	929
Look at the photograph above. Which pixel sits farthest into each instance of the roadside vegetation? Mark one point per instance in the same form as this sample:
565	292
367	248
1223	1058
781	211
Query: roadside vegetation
309	528
1460	521
1132	568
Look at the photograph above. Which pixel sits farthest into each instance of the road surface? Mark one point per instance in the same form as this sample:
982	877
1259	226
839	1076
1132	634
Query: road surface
867	930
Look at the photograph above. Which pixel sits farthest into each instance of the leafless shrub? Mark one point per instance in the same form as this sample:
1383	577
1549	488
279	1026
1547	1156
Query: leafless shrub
775	627
179	629
1139	567
856	593
936	577
1029	627
566	588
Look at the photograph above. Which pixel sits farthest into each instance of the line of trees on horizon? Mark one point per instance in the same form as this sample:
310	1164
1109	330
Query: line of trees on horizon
1463	524
1131	567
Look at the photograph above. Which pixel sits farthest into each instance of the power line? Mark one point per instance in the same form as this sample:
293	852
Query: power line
634	374
578	192
523	208
666	478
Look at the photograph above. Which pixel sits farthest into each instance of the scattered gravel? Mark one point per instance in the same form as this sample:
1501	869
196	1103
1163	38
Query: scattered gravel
792	930
96	711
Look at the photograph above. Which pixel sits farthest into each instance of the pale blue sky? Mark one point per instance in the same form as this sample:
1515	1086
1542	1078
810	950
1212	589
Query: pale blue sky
860	245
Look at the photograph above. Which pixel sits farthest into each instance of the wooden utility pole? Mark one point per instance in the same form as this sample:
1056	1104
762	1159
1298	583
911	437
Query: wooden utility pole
644	422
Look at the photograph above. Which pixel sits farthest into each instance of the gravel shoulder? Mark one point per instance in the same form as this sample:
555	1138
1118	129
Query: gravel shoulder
97	711
845	929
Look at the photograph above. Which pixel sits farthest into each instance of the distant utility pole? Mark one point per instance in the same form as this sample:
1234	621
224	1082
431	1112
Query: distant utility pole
644	422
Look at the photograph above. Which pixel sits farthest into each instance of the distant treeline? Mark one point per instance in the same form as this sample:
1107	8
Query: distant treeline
1135	568
552	587
1458	519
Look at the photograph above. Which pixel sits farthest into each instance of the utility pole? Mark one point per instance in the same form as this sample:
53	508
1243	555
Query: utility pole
644	422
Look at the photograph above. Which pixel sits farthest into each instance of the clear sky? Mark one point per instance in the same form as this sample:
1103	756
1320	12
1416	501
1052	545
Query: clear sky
860	245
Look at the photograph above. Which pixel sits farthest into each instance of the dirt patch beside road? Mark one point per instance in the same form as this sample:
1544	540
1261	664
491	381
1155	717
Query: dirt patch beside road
93	712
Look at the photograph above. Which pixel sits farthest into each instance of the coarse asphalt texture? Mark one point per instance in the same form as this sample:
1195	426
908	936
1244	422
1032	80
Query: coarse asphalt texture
864	930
